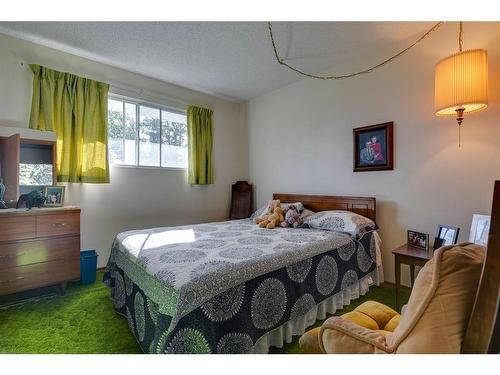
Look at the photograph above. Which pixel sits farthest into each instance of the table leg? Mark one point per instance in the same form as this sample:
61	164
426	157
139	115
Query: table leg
412	273
398	279
62	287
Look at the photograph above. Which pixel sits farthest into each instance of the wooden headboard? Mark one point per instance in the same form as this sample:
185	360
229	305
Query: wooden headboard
365	206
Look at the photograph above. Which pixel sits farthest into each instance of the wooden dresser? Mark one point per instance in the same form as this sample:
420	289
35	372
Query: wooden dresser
39	247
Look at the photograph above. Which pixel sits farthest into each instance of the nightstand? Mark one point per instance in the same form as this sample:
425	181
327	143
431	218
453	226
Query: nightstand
412	256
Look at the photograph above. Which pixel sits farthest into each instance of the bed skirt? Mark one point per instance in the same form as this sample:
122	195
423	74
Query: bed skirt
298	326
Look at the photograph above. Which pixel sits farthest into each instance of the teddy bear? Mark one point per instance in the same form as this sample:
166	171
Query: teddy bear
269	210
292	218
273	216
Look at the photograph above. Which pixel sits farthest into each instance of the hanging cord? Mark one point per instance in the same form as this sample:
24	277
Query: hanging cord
460	111
460	38
282	61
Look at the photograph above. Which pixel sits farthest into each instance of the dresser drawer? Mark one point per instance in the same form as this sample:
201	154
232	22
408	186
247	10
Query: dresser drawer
37	275
17	228
30	252
57	225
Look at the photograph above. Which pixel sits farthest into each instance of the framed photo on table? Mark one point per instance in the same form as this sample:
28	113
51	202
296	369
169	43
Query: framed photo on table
373	147
54	196
480	229
418	239
446	235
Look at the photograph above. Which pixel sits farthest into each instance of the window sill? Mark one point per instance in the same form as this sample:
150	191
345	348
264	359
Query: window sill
126	166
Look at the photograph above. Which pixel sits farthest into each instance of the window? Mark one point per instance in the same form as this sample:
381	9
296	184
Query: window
35	174
146	135
35	165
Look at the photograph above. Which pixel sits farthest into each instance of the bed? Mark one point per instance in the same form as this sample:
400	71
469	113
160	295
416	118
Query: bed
231	287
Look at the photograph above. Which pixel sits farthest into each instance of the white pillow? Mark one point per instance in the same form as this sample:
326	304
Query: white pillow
306	213
342	221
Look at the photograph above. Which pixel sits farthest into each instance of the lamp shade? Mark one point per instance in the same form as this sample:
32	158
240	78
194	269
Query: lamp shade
461	81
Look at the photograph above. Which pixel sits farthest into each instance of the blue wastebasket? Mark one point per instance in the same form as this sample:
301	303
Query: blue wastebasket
88	266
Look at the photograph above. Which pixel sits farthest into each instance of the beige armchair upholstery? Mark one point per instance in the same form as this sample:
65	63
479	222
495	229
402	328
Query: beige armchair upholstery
436	317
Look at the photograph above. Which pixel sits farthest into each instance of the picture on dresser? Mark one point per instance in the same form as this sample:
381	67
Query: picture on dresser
54	196
418	239
373	147
2	192
480	229
446	235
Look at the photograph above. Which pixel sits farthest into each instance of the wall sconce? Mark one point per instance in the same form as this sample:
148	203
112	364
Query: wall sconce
461	83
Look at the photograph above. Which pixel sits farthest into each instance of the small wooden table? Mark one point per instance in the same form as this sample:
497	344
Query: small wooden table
412	256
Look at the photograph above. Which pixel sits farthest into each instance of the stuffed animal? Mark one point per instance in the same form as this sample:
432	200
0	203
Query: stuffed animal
269	210
32	199
272	217
292	218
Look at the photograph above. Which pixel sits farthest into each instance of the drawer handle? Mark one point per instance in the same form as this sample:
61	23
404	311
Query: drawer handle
12	280
59	225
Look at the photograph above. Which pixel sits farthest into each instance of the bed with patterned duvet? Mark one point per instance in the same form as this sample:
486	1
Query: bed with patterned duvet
232	287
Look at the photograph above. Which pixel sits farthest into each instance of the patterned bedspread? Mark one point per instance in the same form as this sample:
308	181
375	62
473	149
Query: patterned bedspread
218	287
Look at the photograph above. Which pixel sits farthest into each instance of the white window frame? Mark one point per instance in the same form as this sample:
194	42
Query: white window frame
138	103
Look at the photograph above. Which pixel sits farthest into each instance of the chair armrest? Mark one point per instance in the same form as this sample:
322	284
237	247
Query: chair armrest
403	309
341	336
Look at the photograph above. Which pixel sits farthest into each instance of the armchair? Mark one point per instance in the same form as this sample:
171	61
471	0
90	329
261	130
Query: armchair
435	320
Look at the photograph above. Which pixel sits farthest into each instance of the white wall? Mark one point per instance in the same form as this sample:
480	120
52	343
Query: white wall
300	140
136	197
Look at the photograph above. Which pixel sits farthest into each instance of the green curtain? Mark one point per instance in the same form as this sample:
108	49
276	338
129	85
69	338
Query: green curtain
76	109
199	126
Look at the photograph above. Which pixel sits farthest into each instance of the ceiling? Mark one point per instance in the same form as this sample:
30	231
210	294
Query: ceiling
233	60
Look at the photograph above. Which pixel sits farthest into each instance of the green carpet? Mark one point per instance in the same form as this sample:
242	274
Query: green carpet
84	321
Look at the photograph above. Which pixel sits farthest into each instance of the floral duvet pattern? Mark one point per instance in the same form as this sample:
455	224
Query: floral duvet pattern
218	287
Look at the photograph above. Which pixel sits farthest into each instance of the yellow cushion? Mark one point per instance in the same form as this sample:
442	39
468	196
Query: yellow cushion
361	319
393	323
309	342
377	311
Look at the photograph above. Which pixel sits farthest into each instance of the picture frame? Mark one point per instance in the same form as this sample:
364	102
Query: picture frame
480	229
418	239
446	235
373	147
54	196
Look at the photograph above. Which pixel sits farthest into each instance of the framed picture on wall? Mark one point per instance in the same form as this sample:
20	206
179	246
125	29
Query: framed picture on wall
373	147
